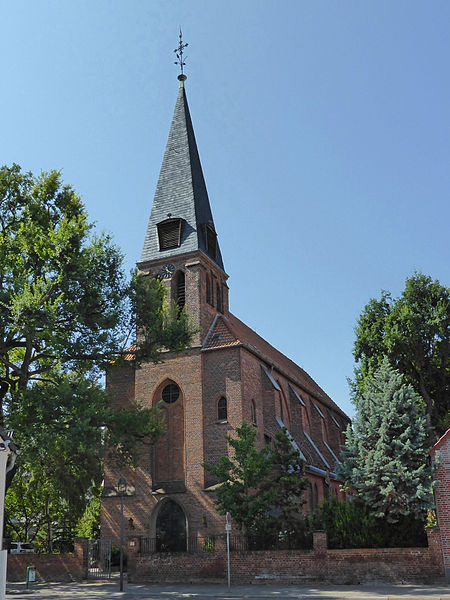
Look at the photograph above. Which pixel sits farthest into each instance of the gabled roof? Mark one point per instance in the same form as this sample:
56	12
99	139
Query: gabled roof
440	441
181	191
230	331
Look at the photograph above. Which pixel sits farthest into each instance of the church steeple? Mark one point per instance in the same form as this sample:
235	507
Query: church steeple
181	219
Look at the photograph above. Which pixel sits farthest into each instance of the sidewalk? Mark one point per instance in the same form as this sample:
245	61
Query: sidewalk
110	590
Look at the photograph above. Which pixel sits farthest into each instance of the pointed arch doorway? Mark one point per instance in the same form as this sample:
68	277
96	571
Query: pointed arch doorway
171	528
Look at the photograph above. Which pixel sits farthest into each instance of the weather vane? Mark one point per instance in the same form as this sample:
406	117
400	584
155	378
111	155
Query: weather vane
179	52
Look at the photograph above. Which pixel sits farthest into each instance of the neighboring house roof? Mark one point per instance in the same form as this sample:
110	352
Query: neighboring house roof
181	191
440	441
230	331
7	436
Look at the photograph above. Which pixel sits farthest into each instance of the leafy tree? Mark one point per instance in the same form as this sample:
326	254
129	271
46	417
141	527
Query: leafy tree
65	304
385	459
413	331
89	524
66	312
262	489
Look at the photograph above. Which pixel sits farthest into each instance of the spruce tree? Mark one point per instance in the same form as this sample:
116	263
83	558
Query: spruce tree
385	460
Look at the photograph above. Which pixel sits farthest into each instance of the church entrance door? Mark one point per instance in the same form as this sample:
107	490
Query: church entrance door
171	528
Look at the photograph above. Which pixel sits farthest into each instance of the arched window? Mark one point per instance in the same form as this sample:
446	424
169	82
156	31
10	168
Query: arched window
219	299
209	291
222	411
180	292
305	421
315	498
326	489
324	427
253	412
168	452
283	406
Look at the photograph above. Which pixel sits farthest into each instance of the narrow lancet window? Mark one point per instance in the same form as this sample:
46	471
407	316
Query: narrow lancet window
219	298
253	412
222	411
209	291
180	291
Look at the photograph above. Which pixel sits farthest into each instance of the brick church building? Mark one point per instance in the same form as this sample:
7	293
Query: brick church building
228	375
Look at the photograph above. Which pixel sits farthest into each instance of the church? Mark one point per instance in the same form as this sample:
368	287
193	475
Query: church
228	375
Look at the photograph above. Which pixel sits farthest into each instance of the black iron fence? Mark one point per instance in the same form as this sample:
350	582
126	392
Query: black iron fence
238	543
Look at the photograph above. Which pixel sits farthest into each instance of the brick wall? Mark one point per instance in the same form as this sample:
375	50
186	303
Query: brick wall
50	567
293	566
442	495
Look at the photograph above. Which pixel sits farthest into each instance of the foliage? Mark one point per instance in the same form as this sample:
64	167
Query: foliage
262	489
385	459
288	483
67	311
413	331
241	477
89	524
65	304
62	442
351	526
160	324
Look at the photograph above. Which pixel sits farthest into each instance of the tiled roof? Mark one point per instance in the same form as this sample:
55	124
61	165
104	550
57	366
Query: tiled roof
181	191
440	440
230	331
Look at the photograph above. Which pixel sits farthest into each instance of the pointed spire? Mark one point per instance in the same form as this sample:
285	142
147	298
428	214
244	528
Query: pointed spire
181	193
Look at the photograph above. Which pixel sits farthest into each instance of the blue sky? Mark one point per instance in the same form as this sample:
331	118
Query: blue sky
323	129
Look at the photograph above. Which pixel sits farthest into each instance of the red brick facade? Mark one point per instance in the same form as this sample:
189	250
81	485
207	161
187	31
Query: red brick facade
51	567
227	363
405	565
442	495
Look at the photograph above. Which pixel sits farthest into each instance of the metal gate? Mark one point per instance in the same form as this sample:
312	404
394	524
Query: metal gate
99	559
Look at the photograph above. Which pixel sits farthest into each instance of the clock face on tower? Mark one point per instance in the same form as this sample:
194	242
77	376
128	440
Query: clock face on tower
167	271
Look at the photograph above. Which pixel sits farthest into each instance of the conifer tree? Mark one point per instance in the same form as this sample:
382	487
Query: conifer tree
385	460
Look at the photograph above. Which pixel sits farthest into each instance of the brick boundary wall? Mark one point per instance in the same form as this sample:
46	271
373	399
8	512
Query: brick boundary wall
50	567
412	565
442	495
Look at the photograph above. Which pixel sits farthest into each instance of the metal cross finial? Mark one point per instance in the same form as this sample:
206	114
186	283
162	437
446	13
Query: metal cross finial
179	52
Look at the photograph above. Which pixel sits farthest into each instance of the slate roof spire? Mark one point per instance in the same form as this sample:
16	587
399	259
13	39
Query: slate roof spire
181	192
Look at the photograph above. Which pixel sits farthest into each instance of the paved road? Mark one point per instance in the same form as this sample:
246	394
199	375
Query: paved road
110	590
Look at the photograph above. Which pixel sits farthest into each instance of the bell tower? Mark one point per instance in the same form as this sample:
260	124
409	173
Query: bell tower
181	243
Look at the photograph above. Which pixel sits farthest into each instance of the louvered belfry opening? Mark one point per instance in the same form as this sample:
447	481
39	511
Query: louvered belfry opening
181	291
211	241
169	234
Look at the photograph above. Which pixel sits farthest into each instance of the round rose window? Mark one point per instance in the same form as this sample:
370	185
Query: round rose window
170	393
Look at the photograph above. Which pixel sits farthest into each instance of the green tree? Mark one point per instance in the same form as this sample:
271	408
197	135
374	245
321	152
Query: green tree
385	459
89	524
413	331
66	312
349	525
262	489
240	491
288	483
65	304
